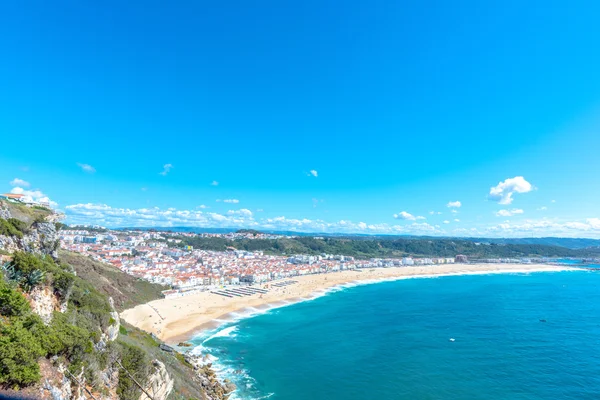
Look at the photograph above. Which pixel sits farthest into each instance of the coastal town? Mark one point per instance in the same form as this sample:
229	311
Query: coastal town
159	257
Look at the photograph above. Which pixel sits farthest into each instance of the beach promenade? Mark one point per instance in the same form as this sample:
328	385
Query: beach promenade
178	319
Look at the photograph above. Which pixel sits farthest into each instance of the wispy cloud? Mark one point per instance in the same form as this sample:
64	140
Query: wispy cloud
230	201
509	213
407	216
86	168
313	172
19	182
214	183
315	202
244	212
503	191
166	169
454	204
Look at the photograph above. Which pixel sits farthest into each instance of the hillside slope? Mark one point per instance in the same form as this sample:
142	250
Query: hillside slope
127	291
368	247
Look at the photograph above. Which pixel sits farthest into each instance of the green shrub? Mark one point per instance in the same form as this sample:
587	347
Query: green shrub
13	227
27	262
135	361
19	352
12	303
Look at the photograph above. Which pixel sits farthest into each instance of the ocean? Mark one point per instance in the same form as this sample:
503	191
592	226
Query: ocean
502	336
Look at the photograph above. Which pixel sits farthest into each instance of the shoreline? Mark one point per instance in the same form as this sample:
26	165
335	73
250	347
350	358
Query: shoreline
180	319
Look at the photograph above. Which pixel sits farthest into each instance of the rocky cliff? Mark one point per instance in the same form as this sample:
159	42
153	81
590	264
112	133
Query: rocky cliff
40	235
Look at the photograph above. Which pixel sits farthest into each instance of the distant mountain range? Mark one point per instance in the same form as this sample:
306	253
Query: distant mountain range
570	243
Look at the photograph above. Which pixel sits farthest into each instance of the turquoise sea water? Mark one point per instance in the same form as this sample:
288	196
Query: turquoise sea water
391	340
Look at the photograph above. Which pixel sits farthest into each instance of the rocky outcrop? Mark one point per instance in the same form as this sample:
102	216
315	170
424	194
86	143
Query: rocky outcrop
42	238
4	213
160	384
56	385
44	302
113	330
207	378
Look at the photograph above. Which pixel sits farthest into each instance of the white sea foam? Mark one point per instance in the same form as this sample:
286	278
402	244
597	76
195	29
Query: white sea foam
227	332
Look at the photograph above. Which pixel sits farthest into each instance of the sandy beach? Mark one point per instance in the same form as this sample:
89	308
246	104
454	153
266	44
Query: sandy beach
178	319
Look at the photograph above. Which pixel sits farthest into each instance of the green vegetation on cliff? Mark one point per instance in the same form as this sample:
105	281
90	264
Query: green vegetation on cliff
367	248
76	338
24	337
27	215
127	291
13	227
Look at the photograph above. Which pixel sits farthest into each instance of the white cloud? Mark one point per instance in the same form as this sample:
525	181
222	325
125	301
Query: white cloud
86	168
202	206
454	211
435	212
166	169
553	201
454	204
231	201
456	220
244	212
214	183
543	208
103	214
259	210
19	182
509	213
589	227
502	193
407	216
313	173
33	196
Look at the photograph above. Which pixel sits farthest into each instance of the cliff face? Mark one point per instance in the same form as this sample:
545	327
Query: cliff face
160	384
40	238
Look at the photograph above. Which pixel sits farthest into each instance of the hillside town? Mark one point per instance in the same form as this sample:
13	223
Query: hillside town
156	257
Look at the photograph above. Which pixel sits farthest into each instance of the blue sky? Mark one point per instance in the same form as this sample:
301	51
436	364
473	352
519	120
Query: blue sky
399	107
